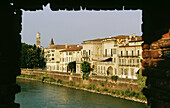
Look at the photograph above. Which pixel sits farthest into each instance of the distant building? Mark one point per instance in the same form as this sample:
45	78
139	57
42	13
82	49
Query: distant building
38	40
120	55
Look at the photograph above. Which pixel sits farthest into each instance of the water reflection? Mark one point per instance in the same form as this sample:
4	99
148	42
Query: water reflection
35	94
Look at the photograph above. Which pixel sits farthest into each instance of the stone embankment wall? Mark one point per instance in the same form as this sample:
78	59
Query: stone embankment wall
121	84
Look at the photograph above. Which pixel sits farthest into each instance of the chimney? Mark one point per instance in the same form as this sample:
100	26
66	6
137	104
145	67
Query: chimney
78	45
110	36
66	45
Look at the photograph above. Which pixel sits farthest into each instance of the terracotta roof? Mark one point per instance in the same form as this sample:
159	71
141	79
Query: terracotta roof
94	40
139	38
57	47
73	48
121	36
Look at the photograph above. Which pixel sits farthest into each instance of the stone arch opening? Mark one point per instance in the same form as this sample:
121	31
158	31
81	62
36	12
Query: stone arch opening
109	71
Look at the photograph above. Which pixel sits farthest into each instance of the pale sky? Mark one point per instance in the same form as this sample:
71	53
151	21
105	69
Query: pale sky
73	27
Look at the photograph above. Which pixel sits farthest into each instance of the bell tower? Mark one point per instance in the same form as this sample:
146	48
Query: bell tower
38	40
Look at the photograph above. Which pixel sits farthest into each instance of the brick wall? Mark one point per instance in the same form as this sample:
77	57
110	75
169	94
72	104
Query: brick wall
156	65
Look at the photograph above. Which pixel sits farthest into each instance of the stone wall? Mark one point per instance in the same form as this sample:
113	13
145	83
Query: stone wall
121	84
156	65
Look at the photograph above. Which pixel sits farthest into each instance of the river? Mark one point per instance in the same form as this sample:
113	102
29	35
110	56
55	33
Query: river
35	94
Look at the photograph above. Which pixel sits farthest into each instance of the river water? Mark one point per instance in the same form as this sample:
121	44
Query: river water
35	94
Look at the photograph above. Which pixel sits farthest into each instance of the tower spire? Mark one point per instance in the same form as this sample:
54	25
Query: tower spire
52	42
38	40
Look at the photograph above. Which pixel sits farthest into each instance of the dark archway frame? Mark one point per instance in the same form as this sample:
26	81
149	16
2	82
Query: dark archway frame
155	23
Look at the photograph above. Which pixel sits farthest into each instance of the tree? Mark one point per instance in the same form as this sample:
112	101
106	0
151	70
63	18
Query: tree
31	56
85	68
72	66
141	80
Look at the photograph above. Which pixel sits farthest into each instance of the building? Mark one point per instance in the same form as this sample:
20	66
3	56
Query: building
52	55
70	54
119	55
38	40
130	56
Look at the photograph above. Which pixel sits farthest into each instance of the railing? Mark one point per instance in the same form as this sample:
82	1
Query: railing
108	55
85	56
129	55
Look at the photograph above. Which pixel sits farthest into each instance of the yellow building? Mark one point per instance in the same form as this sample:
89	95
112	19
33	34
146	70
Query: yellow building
130	55
70	54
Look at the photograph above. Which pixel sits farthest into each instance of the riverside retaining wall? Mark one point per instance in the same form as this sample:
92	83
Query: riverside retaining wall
121	84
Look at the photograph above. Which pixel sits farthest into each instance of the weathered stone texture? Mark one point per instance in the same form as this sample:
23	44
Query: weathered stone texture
156	65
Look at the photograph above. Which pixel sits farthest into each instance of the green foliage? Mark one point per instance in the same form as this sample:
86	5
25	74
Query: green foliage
91	87
85	76
31	56
126	93
106	81
71	83
114	78
59	81
132	93
49	79
102	84
72	66
141	80
98	89
85	67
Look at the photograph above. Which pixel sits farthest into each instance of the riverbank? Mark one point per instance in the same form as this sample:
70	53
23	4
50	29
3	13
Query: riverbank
90	88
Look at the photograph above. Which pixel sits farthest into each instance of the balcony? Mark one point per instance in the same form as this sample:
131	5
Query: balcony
85	56
129	55
108	55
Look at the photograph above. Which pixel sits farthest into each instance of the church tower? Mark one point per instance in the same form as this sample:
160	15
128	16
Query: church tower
38	40
52	42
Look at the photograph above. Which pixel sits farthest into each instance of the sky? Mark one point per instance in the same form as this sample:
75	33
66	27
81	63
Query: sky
73	27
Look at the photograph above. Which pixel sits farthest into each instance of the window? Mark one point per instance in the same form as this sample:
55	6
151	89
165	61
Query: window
114	51
105	52
115	71
122	61
114	60
137	60
126	53
132	53
133	61
52	54
121	71
89	52
70	53
121	53
52	50
52	58
84	52
111	52
138	52
125	72
119	61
